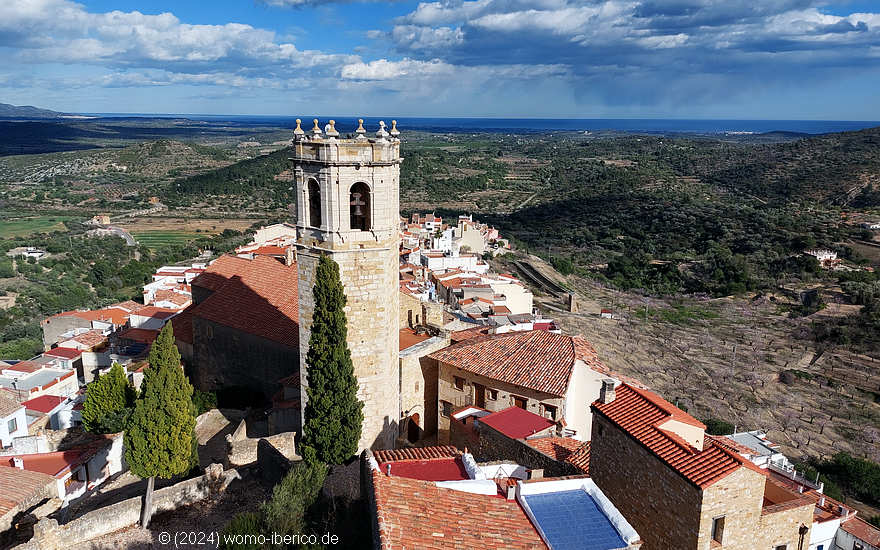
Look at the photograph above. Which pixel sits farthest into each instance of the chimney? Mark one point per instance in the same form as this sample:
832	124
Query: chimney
511	492
606	394
536	473
821	502
18	463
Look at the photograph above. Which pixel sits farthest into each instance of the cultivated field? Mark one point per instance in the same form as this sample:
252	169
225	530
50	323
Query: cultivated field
21	227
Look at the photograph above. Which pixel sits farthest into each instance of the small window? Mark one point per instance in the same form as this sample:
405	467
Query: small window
445	408
858	546
459	383
417	386
549	411
520	402
491	394
718	529
781	547
12	426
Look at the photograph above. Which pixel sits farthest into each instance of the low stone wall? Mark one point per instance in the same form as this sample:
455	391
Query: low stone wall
242	450
493	445
49	535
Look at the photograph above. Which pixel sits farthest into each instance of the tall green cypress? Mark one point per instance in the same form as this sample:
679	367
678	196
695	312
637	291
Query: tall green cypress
160	439
334	416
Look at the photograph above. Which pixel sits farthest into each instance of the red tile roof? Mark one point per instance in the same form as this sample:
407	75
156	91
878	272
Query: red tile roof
19	487
468	333
564	449
44	403
91	339
534	359
516	423
54	464
66	353
863	530
434	469
156	312
256	296
416	453
175	298
415	514
640	413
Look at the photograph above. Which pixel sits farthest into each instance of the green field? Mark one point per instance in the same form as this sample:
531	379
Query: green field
21	227
159	238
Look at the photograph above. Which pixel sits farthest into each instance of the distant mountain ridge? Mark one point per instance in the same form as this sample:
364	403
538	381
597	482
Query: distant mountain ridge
27	111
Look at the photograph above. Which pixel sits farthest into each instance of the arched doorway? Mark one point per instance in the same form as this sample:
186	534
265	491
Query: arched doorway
413	432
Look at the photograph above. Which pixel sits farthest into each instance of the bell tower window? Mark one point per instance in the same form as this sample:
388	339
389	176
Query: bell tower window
359	207
314	204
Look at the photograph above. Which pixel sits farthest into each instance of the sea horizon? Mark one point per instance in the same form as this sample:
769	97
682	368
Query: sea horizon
346	124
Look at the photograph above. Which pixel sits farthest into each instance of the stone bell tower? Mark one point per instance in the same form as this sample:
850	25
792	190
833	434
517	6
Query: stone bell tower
348	208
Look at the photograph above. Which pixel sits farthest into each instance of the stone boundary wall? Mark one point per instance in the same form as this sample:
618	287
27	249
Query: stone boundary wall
49	535
493	445
369	492
242	450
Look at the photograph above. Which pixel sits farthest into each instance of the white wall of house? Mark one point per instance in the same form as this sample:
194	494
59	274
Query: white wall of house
583	389
822	534
12	426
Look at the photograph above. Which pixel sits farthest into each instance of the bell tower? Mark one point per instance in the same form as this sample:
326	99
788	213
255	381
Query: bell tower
348	208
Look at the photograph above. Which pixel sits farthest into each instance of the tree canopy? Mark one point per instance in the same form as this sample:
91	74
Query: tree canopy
106	396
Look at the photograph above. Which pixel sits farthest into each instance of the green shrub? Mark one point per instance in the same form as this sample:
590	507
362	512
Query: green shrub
715	426
245	523
287	512
204	401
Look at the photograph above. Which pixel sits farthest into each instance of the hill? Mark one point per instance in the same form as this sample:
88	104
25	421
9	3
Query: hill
26	111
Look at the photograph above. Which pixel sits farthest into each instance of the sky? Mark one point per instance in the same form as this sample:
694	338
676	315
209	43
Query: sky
737	59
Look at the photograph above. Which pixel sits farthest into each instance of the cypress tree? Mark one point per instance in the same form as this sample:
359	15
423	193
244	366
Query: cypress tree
334	415
106	396
160	439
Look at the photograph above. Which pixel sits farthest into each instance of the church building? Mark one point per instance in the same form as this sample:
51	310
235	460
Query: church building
348	208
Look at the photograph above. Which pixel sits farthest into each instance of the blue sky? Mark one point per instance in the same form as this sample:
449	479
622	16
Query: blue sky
761	59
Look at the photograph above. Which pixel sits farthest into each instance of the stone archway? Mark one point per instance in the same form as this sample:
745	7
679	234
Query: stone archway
413	431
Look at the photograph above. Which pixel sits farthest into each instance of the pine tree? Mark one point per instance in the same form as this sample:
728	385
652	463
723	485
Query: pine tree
160	439
105	397
333	415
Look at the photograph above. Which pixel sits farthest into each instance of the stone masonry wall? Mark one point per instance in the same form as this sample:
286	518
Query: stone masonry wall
418	384
369	277
48	535
492	445
415	312
662	506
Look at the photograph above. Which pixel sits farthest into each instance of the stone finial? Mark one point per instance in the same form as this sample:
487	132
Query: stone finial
330	130
394	131
298	131
361	131
381	133
316	130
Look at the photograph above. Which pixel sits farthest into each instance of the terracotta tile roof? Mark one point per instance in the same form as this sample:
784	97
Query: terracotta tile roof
91	339
415	514
172	296
181	324
44	403
640	413
142	335
25	366
256	296
534	359
580	458
19	487
559	448
156	312
863	530
8	404
409	337
516	423
416	453
130	305
66	353
467	334
116	315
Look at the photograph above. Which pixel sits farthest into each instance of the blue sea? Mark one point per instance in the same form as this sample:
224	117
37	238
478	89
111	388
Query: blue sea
535	125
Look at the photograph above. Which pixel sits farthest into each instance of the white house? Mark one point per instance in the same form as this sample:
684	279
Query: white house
13	419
